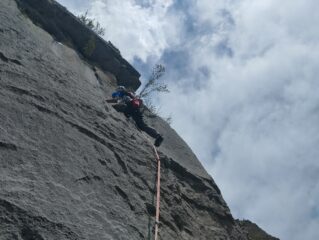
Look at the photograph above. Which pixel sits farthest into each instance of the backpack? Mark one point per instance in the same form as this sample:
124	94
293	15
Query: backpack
136	103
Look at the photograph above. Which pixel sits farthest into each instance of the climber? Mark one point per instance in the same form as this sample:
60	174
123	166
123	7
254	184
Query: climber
130	104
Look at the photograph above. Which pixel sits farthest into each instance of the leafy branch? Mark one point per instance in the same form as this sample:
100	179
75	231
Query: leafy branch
154	85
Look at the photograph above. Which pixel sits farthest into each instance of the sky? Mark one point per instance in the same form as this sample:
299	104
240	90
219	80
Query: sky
243	80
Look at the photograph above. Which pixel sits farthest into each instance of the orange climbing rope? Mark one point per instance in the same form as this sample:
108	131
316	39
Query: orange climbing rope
158	189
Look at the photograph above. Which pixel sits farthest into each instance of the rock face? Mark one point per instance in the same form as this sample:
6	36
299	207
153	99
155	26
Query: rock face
254	232
72	167
66	28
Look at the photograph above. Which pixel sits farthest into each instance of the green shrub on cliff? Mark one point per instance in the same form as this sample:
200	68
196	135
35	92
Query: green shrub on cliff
92	24
153	86
89	47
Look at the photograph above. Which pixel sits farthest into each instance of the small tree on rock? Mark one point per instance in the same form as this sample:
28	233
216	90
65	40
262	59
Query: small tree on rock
153	83
92	24
153	86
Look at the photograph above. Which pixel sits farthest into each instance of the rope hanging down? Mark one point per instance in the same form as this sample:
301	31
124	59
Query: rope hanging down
158	188
157	192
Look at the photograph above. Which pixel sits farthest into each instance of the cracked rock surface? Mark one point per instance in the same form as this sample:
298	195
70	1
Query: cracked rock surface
71	167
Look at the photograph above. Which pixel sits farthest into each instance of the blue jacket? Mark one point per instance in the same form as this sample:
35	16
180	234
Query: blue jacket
122	94
118	94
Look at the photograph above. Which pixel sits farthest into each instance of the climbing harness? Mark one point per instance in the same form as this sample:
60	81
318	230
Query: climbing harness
158	189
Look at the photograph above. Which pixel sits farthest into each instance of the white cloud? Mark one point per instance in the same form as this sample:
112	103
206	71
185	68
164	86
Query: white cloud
245	97
75	6
258	112
138	31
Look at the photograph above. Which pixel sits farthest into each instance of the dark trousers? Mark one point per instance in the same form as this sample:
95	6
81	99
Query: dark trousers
138	118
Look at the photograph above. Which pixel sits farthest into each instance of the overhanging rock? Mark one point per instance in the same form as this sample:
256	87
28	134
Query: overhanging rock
68	29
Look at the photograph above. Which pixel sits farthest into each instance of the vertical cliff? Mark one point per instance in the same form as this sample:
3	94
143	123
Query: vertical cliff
71	166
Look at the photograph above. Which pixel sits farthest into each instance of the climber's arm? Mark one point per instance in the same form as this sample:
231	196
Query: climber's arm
111	100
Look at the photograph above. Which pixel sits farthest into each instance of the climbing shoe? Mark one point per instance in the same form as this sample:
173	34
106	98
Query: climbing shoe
158	141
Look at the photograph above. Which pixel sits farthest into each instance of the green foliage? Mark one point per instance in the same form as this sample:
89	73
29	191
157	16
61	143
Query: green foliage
153	87
153	84
89	47
92	24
